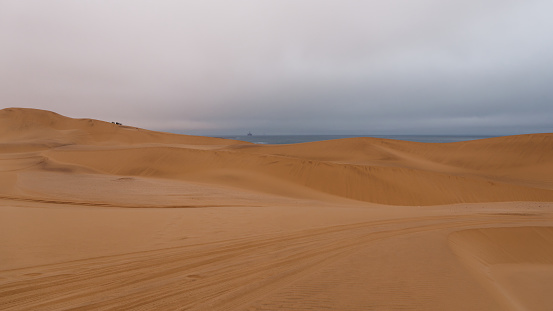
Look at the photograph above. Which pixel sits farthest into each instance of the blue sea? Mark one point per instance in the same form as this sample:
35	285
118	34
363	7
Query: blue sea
295	139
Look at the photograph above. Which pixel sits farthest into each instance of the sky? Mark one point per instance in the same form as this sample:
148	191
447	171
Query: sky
284	66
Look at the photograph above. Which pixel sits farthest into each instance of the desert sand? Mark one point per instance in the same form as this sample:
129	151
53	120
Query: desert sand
98	216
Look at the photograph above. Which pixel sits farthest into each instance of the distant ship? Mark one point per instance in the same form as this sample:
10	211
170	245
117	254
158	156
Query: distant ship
250	134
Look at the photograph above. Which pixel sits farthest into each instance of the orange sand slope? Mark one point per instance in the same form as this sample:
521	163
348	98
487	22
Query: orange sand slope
97	216
516	168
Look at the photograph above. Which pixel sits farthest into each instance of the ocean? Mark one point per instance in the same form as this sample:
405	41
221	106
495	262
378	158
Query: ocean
295	139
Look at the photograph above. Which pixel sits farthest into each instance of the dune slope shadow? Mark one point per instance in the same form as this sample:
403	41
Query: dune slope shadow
514	263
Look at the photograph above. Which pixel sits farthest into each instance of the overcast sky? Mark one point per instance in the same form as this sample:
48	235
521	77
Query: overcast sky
285	67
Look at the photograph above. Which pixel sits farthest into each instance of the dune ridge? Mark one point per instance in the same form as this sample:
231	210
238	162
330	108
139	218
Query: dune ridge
515	262
515	168
26	125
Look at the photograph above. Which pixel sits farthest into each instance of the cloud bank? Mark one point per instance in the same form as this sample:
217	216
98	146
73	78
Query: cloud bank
285	67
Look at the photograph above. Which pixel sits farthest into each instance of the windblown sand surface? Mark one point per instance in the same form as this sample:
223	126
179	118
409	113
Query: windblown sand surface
97	216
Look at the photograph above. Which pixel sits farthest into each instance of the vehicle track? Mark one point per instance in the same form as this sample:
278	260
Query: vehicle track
224	275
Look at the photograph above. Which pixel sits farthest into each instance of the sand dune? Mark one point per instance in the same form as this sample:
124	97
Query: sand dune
97	216
366	169
51	129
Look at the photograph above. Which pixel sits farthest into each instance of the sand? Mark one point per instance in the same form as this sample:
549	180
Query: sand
98	216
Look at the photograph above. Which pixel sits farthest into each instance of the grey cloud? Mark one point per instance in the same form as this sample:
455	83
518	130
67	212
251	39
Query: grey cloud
357	67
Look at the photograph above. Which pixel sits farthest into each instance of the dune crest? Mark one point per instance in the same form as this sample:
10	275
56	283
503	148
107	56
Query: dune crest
46	127
515	263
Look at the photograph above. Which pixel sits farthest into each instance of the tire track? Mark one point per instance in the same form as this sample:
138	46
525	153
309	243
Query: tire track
216	276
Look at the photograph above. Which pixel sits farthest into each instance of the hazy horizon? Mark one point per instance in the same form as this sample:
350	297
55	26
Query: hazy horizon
348	133
285	67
